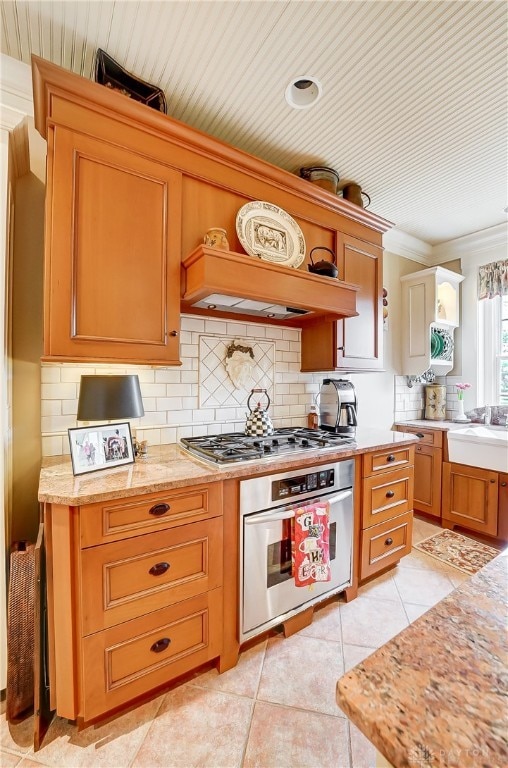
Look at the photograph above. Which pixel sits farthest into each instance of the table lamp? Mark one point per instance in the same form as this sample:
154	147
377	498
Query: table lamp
102	398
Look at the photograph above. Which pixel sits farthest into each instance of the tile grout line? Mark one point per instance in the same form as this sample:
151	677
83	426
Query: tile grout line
155	715
348	722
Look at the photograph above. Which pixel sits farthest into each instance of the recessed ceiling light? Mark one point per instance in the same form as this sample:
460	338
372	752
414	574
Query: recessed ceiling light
302	92
212	306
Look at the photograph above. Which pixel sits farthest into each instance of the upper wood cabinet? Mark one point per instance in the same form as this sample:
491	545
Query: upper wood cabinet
355	343
130	194
113	253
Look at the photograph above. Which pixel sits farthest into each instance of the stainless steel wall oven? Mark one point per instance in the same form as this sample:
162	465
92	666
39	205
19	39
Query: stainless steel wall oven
268	594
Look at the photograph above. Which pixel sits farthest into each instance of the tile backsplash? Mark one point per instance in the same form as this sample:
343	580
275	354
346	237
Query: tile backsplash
178	401
410	401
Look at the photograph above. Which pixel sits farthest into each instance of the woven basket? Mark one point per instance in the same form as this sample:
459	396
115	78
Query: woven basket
20	631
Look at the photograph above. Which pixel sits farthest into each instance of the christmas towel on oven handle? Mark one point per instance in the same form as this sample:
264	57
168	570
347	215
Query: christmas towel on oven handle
311	543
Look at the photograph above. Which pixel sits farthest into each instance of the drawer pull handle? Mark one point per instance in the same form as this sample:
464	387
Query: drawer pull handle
160	645
391	457
158	569
420	435
388	541
390	494
159	509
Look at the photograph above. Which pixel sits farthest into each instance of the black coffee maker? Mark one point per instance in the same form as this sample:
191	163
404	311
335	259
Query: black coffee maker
338	406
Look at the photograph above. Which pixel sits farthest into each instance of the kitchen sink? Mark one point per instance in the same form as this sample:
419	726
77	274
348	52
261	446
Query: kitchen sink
484	447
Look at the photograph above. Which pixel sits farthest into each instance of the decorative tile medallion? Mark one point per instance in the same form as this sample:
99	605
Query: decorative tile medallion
458	551
216	388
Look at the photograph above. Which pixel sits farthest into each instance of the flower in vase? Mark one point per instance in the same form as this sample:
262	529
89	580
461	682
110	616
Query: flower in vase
460	390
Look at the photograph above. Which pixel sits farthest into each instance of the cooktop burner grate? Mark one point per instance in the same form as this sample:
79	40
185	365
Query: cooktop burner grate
235	446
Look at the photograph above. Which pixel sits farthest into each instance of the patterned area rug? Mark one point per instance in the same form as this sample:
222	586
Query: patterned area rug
458	551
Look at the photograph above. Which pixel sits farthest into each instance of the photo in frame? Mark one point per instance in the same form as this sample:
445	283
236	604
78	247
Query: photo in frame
100	447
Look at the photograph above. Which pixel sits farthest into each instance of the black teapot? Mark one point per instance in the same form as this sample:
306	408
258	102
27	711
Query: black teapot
323	267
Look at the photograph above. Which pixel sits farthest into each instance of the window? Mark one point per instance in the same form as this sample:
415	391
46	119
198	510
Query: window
502	357
493	337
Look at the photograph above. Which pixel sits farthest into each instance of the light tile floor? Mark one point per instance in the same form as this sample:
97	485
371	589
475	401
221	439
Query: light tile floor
275	709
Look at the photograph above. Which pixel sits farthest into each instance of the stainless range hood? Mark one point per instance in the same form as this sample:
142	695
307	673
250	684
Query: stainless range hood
226	283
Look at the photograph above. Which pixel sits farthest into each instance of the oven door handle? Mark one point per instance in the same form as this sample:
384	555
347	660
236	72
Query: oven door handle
269	517
340	497
256	519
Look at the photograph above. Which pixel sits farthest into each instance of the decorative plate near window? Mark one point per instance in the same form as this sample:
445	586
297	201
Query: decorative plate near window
267	231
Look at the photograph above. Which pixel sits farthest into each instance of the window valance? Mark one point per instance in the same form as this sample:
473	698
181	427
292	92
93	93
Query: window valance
493	279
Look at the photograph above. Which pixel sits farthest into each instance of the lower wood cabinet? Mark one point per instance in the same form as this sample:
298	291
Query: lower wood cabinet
502	512
128	660
384	544
428	468
134	596
470	498
387	508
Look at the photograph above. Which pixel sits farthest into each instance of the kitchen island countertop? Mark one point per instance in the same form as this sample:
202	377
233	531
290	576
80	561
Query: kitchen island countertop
170	466
435	695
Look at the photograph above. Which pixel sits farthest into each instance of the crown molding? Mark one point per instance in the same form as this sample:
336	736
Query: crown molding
16	85
470	246
400	243
10	118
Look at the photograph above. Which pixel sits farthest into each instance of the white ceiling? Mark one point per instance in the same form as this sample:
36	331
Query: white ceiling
414	106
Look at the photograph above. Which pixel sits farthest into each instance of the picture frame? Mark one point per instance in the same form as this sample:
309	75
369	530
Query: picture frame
102	446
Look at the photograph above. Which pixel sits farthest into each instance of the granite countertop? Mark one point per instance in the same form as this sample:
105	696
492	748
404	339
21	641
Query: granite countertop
170	466
431	424
435	695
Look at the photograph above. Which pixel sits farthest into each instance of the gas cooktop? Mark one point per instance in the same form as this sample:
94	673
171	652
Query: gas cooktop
235	446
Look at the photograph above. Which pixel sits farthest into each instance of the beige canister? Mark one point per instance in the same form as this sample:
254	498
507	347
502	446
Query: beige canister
435	402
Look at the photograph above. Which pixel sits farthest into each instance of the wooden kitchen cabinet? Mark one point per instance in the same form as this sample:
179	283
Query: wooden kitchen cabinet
355	343
134	596
502	519
130	192
387	509
428	464
112	279
470	498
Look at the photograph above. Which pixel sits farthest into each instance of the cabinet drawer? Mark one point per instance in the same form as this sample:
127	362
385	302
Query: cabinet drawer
385	544
382	461
121	519
427	436
127	661
126	579
386	496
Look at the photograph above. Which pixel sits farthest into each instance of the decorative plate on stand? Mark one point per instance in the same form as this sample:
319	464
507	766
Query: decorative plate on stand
267	231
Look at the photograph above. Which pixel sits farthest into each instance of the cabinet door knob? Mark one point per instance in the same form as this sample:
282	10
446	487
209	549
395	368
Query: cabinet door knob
159	509
492	481
504	485
391	457
388	541
173	333
160	645
158	569
390	494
